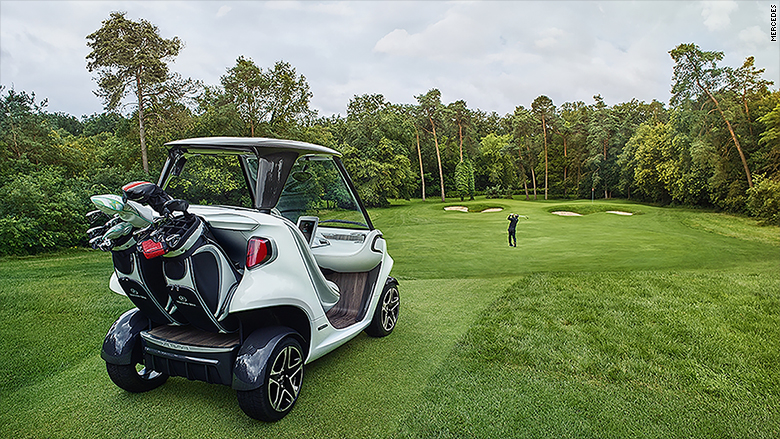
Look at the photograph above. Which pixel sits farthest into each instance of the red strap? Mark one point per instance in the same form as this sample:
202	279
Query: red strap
152	249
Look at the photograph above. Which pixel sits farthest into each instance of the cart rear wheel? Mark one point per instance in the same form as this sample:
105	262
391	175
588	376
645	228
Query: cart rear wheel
281	386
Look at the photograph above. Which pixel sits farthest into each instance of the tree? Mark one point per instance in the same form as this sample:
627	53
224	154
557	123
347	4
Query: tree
459	114
130	56
572	125
287	100
269	101
771	138
544	110
464	179
431	107
746	82
24	131
419	156
696	73
244	86
498	164
522	127
601	127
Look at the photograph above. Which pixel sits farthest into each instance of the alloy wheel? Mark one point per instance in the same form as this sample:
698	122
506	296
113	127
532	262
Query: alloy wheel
286	376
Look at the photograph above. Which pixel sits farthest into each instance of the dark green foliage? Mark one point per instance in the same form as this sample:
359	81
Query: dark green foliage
41	211
464	179
374	139
65	122
271	103
763	200
102	123
382	177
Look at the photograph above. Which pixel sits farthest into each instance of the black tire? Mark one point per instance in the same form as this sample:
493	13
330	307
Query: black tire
386	314
134	379
281	384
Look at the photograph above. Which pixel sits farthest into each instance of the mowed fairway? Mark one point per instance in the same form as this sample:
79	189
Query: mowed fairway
661	324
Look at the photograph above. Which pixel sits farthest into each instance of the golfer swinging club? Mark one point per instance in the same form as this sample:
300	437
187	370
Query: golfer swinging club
513	218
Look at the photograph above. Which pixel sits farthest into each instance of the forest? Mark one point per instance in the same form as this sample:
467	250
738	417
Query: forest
715	145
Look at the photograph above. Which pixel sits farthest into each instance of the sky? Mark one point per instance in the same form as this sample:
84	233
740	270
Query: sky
493	55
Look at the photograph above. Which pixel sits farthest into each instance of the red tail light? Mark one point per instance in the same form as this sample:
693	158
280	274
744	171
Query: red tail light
258	252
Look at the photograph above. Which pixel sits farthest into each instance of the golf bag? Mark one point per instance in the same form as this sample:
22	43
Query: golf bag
143	282
199	277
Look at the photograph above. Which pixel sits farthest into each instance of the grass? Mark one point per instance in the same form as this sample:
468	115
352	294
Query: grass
664	355
664	324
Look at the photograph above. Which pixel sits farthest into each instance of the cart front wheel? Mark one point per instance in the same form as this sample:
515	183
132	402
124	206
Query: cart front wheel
386	314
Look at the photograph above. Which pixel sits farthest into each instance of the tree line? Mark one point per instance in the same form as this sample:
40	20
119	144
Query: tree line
716	145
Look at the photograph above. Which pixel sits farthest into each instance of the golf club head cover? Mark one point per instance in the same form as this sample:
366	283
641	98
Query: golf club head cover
145	192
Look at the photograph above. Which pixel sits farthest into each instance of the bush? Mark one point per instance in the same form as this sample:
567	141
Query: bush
494	192
763	200
41	211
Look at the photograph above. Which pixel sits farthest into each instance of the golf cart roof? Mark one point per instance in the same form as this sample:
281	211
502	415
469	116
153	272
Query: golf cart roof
258	145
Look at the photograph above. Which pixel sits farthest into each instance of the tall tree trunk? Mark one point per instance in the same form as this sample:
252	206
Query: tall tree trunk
460	134
522	170
533	181
747	111
733	137
141	129
438	158
544	133
419	155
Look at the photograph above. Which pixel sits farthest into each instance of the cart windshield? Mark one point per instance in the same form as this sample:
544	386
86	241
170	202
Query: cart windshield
211	179
316	187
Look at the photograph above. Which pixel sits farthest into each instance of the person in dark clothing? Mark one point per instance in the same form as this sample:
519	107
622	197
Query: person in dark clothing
513	218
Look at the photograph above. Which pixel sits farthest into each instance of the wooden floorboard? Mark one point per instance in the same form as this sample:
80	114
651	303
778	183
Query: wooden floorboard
194	337
351	289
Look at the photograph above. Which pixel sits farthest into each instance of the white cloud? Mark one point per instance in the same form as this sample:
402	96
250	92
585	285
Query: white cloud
717	14
550	38
397	42
457	36
753	36
223	10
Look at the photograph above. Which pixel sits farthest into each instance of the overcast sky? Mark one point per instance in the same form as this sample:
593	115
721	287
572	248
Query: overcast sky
493	55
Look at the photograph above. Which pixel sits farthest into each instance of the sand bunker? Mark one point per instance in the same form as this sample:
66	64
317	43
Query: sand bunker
466	209
617	212
564	213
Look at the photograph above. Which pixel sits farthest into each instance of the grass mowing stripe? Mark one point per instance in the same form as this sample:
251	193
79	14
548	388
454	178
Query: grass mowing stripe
646	354
53	314
363	389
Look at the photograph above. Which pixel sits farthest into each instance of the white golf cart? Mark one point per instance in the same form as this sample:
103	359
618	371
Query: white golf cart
245	294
